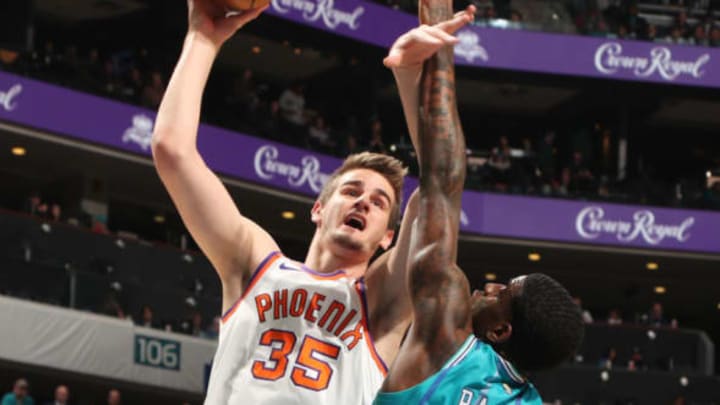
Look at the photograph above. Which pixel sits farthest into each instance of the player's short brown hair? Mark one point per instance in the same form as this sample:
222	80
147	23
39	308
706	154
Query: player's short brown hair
387	166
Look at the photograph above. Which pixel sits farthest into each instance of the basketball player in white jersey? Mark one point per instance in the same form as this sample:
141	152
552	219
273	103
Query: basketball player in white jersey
320	331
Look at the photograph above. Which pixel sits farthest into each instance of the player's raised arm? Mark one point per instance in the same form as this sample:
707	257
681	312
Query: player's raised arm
390	304
435	281
233	243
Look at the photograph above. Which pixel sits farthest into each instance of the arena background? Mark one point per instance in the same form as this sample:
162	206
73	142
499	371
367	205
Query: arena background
625	142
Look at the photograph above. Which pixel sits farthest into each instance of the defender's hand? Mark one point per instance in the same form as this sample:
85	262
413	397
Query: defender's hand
418	44
211	21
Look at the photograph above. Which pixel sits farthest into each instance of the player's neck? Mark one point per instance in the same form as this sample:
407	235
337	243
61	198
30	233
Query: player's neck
326	260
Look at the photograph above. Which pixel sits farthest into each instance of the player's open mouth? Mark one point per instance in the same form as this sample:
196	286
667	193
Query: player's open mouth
355	221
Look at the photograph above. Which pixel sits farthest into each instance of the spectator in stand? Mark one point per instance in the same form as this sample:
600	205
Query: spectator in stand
47	62
614	318
153	91
656	317
19	394
90	74
193	325
609	360
319	137
586	315
527	176
292	112
213	330
682	25
500	164
43	212
562	187
10	60
546	161
242	101
147	318
516	17
68	65
196	324
55	213
623	32
376	143
269	119
636	361
33	203
133	86
109	80
111	305
114	397
636	25
582	179
349	145
700	37
651	34
715	37
485	14
593	23
62	396
711	196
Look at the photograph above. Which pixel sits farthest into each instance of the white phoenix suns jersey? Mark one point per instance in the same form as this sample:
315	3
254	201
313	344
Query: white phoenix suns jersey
296	336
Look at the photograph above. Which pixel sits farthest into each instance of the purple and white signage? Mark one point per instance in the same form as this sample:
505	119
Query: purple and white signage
116	125
598	223
517	49
590	57
121	126
7	97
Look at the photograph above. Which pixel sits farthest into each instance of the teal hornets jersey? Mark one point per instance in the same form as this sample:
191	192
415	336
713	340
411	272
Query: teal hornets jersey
475	375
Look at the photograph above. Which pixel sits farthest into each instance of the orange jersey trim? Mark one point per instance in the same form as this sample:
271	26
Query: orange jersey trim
360	289
264	266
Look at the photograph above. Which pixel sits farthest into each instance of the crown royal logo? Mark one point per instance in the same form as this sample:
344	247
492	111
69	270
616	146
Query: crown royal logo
591	222
609	59
140	132
324	10
469	47
268	165
7	98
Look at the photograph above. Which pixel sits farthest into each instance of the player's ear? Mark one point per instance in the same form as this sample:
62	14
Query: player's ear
499	333
316	212
387	239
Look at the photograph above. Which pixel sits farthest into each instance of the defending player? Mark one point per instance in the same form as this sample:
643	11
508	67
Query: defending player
463	349
292	332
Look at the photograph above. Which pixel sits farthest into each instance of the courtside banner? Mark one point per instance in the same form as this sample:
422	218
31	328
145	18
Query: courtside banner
51	336
517	49
120	126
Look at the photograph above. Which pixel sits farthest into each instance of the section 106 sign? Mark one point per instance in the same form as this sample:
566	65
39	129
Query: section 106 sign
155	352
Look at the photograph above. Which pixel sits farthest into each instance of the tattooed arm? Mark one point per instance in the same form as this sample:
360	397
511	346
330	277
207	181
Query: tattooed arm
439	290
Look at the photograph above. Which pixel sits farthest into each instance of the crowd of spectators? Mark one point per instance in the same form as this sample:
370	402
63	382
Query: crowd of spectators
623	20
662	21
20	395
528	164
634	359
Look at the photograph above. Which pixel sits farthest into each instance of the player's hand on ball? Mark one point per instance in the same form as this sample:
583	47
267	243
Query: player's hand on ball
210	19
418	44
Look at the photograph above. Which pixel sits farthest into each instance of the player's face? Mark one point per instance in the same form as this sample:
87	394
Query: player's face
493	305
356	215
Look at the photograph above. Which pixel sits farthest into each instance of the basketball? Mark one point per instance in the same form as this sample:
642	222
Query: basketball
244	4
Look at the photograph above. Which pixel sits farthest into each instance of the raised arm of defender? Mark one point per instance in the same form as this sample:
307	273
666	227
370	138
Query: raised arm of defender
233	243
390	304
